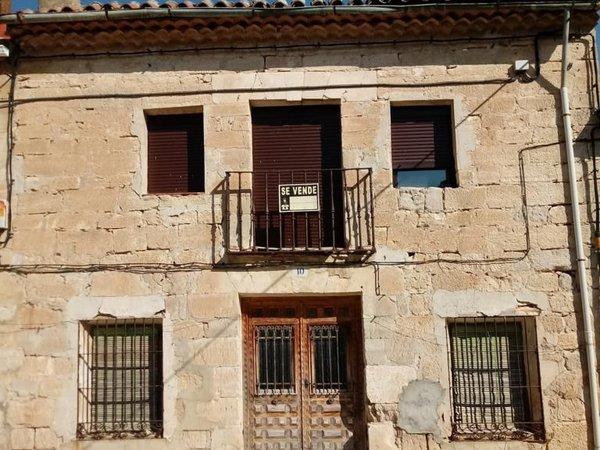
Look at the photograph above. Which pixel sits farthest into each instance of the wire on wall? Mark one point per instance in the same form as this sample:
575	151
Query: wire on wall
12	103
10	143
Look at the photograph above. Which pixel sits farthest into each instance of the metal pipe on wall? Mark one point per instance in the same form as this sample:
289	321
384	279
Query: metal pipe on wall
586	309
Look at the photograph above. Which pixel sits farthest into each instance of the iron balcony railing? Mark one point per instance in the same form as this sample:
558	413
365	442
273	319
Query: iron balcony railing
333	212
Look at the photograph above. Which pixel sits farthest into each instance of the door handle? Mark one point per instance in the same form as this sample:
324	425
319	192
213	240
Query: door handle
306	383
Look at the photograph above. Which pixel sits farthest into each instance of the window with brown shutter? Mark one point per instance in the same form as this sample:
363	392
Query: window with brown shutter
422	150
175	154
297	144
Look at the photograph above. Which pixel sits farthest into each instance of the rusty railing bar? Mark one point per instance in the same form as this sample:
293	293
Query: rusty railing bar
358	208
293	219
332	209
371	220
252	215
320	213
268	222
227	230
305	222
280	217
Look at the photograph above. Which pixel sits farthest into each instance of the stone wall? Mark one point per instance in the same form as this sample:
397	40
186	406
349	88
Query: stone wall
497	244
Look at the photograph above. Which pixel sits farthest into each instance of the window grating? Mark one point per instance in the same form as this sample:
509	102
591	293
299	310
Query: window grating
120	379
495	379
275	359
329	345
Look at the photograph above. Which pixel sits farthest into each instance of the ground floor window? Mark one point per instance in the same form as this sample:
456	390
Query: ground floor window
494	378
120	379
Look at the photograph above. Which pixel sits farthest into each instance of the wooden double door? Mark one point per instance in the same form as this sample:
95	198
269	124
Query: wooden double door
303	374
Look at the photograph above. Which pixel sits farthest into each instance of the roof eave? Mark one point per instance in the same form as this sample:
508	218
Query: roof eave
155	13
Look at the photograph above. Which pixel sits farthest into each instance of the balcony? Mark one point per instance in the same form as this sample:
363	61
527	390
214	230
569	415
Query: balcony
327	211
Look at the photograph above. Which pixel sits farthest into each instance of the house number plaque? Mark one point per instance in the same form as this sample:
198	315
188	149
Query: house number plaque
299	197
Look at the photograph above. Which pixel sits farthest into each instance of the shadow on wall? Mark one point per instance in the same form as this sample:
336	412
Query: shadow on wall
582	150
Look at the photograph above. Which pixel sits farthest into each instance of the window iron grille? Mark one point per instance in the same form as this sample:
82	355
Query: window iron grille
494	379
120	379
275	359
329	359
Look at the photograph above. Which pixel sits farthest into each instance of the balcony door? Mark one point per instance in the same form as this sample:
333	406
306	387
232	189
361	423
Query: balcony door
303	374
298	146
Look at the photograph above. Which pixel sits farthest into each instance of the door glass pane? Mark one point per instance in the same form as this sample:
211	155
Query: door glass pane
329	348
274	347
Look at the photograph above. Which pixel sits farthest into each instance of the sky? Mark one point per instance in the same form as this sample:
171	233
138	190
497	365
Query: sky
18	5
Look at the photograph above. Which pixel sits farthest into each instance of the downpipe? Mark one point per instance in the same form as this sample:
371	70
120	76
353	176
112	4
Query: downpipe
586	309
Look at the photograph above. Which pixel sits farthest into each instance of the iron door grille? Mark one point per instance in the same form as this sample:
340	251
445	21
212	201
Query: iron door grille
274	359
494	380
120	379
329	359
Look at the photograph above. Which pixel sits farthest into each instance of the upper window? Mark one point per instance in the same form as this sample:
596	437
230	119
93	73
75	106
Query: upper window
120	379
422	154
175	154
495	381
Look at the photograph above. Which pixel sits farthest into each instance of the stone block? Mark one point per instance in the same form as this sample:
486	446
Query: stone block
22	438
382	436
11	359
196	439
33	413
228	382
46	439
197	383
385	383
217	351
117	284
213	306
231	438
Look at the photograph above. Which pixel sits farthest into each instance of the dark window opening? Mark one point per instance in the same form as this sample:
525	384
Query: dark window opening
297	144
120	379
329	344
422	149
495	381
275	350
175	154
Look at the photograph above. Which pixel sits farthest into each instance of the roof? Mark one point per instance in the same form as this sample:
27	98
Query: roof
262	4
197	23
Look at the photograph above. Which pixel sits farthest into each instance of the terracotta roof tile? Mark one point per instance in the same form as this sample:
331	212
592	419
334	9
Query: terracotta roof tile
190	4
55	37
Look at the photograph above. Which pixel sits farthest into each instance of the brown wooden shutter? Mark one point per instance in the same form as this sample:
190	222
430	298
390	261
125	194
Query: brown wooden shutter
175	153
297	144
422	138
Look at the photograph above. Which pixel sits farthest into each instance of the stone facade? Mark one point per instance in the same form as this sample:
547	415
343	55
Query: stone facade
499	244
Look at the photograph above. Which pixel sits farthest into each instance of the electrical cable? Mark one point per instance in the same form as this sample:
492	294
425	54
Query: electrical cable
235	90
524	77
394	43
9	148
198	266
594	51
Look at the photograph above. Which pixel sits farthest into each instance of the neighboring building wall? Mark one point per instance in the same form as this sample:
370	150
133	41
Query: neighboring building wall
79	198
